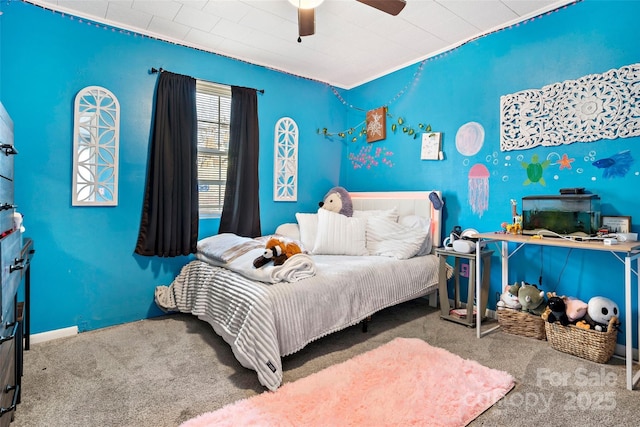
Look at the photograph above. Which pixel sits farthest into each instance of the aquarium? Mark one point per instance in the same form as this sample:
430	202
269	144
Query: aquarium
571	214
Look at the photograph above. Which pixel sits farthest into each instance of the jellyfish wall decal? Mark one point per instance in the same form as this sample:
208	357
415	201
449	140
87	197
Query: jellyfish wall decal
479	189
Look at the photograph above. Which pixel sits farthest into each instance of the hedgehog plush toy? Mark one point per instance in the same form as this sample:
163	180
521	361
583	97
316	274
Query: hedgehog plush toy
338	200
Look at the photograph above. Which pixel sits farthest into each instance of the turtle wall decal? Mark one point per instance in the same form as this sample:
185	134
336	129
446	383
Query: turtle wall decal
534	170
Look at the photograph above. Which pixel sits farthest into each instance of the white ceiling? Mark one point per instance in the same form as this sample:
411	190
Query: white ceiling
353	44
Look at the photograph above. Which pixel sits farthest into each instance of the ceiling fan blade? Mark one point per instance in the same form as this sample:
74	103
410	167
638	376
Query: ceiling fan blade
392	7
306	22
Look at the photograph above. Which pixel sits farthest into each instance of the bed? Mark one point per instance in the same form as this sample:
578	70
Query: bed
271	312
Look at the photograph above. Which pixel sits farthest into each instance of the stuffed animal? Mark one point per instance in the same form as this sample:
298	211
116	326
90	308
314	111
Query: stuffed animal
583	325
338	200
509	298
599	311
557	310
576	309
532	299
278	251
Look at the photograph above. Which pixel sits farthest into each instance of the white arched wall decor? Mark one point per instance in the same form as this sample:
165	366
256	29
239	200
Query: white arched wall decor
593	107
96	141
285	164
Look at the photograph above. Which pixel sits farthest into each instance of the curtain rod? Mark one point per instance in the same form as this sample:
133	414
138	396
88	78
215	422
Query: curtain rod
160	70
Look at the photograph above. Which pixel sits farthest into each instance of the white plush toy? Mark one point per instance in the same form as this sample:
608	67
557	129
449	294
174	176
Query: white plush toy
599	311
509	298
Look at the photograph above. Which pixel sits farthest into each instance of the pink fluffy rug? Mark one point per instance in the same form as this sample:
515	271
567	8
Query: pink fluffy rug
402	383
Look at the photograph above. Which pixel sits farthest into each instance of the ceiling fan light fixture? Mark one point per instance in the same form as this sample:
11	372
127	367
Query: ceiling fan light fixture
306	4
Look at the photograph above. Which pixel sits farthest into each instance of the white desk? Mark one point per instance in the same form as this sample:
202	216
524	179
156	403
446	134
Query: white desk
626	252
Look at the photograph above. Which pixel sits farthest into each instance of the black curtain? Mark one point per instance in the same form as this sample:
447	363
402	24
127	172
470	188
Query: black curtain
169	224
241	211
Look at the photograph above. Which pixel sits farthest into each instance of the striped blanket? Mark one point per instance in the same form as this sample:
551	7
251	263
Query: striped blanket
263	322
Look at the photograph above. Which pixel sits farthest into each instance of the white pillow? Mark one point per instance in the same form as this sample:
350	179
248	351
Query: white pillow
417	221
391	214
308	223
391	239
290	230
340	235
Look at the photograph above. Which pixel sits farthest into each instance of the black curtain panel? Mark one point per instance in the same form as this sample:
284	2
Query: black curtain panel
241	211
169	224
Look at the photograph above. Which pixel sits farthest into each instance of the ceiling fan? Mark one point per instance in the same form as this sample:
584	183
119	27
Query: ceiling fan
307	12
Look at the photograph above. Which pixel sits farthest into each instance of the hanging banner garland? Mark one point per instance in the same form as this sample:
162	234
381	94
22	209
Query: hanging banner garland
409	130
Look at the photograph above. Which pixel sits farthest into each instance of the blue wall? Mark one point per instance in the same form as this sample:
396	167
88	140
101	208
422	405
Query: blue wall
465	85
84	271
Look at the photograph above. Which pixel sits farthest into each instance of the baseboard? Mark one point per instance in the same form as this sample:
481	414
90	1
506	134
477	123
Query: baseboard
621	350
52	335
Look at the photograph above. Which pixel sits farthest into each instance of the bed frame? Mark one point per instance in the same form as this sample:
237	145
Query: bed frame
252	330
406	203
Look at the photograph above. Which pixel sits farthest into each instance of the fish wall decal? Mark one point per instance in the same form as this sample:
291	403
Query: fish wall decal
615	166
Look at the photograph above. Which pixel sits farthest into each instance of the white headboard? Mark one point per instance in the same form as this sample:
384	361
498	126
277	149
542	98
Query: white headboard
406	203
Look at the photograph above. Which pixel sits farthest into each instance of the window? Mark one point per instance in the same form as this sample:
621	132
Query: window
213	103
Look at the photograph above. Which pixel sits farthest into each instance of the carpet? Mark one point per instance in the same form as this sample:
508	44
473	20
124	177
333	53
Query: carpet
404	382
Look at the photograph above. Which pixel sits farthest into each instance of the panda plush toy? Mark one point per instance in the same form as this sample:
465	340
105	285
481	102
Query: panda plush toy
600	310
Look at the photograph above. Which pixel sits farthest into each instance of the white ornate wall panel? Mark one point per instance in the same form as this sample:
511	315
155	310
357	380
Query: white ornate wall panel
96	140
285	166
593	107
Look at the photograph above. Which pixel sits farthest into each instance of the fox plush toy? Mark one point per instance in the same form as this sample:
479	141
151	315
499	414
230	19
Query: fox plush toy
278	251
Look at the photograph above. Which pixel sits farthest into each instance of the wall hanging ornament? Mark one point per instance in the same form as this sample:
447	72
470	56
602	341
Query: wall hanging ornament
285	164
377	124
377	128
593	107
96	141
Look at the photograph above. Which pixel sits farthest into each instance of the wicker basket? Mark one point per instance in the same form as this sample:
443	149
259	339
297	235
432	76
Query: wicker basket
521	323
588	344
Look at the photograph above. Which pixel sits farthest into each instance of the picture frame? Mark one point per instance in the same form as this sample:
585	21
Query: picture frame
616	223
376	124
431	146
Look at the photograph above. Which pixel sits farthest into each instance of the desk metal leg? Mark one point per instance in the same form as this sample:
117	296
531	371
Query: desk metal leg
629	323
505	265
635	378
